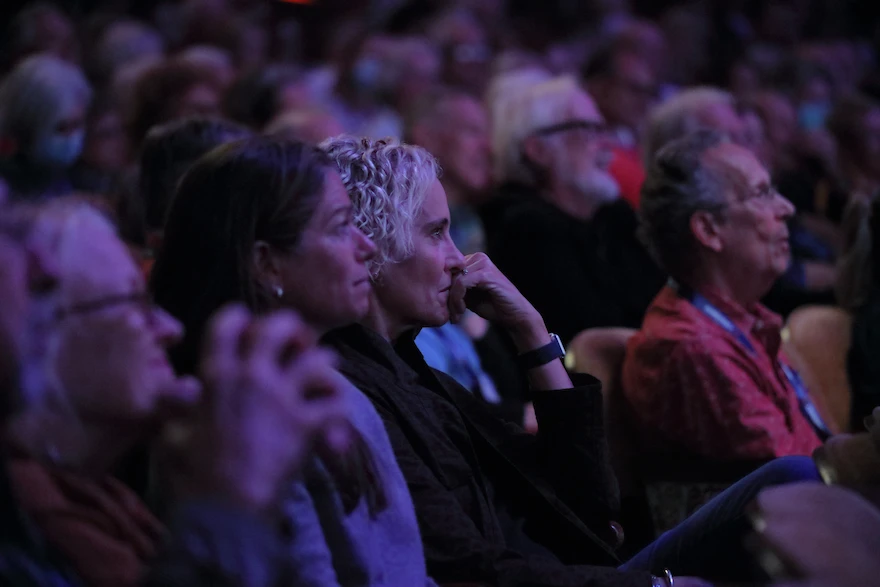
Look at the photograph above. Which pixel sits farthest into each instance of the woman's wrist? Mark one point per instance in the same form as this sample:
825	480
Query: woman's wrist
530	334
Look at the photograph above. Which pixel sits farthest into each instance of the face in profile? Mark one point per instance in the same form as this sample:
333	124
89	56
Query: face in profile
415	292
754	233
109	349
325	278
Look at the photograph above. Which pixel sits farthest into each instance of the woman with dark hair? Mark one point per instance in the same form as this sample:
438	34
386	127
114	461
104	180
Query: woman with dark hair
268	223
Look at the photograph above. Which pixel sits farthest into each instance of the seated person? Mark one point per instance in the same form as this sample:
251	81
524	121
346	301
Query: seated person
494	504
66	520
565	239
280	234
859	292
705	374
454	127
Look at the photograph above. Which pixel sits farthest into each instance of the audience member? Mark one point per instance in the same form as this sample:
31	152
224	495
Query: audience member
455	128
257	98
624	87
213	59
267	223
123	43
105	156
310	126
362	89
471	81
564	238
103	333
705	375
862	298
43	105
688	111
41	27
780	129
168	91
464	45
811	274
496	505
854	123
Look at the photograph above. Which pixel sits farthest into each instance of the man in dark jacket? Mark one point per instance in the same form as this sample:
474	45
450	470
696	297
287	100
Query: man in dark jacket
564	238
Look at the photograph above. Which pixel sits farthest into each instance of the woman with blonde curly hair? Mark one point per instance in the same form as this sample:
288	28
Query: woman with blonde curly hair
495	504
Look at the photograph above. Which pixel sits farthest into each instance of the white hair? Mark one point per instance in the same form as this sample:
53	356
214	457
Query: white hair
679	116
57	227
529	107
37	95
387	182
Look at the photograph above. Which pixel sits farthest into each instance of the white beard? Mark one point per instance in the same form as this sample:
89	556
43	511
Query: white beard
598	185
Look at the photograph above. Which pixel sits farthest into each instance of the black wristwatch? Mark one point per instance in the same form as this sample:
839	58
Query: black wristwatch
543	355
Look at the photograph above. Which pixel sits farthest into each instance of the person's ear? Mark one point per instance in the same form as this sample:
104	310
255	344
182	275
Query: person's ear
266	265
706	229
536	151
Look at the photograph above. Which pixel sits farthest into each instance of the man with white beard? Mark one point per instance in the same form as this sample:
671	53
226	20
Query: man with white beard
564	237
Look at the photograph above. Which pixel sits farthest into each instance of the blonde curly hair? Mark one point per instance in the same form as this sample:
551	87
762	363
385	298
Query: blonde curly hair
387	182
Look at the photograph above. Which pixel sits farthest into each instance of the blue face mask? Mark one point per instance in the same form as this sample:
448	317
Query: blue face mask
59	150
812	115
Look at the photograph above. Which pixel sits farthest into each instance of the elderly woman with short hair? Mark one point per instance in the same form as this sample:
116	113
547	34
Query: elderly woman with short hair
97	380
43	105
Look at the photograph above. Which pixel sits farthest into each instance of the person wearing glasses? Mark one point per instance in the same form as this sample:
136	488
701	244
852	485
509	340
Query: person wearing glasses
564	238
95	380
495	504
623	84
705	376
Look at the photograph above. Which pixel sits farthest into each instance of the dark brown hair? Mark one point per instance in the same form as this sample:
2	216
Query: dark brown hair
255	189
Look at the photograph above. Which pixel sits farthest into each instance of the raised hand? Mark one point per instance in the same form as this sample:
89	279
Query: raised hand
270	397
484	290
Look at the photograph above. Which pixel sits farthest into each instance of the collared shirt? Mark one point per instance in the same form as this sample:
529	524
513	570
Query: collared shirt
694	387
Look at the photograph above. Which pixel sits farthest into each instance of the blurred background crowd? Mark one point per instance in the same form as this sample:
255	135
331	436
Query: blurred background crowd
546	118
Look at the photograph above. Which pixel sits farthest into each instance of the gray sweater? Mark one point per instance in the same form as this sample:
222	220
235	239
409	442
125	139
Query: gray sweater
331	549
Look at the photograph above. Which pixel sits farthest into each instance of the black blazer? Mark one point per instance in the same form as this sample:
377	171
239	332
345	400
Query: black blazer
460	462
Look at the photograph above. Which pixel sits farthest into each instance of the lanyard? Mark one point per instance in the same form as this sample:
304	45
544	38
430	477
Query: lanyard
705	306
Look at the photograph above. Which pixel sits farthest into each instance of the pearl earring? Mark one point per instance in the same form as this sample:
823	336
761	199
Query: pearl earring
279	291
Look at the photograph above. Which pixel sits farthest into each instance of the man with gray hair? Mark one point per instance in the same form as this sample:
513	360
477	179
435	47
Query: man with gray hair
710	108
564	238
705	375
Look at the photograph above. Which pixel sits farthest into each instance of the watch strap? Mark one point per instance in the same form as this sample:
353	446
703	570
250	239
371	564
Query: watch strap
542	355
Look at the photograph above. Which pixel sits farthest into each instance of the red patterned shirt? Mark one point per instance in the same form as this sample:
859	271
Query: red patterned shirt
694	387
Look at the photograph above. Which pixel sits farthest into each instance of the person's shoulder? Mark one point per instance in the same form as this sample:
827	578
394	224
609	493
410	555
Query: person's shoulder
672	325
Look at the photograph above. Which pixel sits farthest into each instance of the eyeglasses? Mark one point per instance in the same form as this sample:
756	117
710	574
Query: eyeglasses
142	299
765	193
590	127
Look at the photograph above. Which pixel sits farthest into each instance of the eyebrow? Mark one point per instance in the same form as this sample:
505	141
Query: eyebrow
346	210
434	224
